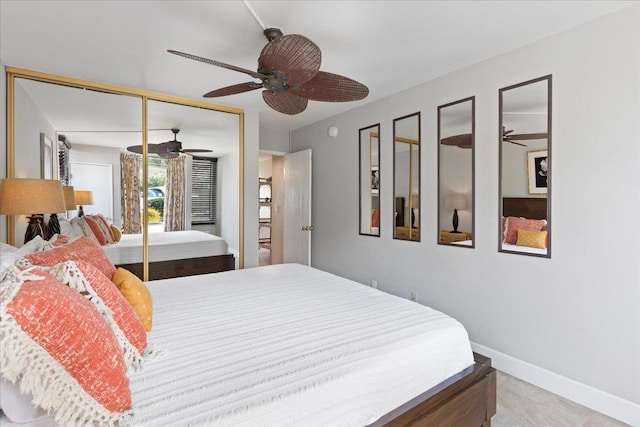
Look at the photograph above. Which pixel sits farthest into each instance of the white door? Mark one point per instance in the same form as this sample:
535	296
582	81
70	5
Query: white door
297	208
97	178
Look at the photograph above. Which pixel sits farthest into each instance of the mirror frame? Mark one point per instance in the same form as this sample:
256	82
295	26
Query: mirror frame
13	73
411	142
501	92
471	99
374	132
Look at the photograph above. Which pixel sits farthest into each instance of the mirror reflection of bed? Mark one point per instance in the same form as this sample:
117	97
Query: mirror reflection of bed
98	126
524	210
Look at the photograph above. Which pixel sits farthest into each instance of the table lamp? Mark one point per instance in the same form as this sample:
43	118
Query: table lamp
26	196
455	202
83	198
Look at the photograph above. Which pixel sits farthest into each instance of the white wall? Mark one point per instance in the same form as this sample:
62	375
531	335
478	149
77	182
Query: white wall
570	323
276	141
28	124
80	153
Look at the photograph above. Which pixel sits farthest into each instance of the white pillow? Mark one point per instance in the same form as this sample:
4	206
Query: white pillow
9	256
34	245
66	228
17	406
77	228
6	249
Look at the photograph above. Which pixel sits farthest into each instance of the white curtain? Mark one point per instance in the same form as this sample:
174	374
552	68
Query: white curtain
174	205
130	193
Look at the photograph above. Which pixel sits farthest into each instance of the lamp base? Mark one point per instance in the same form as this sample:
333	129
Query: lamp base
455	221
54	226
80	212
34	228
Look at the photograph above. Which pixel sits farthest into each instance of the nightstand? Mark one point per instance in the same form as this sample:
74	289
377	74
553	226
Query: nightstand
449	237
403	233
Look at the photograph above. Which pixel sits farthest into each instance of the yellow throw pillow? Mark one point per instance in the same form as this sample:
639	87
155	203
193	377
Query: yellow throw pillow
533	239
136	293
117	234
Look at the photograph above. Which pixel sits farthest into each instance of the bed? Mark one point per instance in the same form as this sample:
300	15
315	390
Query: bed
290	345
173	254
534	208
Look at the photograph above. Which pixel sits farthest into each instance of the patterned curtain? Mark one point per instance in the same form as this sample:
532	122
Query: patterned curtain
130	192
174	208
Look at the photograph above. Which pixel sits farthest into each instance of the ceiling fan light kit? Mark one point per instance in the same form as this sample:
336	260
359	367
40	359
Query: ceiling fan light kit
289	71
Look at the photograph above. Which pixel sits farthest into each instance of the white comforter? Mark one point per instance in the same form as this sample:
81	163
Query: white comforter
166	246
288	345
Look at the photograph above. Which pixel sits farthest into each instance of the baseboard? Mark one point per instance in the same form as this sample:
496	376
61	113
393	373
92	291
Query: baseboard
598	400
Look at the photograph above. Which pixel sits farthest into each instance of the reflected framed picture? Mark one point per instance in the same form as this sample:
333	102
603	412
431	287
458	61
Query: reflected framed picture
537	170
46	157
375	178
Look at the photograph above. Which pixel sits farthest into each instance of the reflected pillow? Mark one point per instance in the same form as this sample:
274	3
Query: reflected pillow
96	230
532	239
117	234
513	224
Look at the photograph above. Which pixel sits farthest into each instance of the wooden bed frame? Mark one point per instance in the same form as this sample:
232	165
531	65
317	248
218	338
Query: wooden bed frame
467	399
184	267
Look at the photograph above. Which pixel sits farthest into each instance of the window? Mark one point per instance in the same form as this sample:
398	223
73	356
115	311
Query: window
203	190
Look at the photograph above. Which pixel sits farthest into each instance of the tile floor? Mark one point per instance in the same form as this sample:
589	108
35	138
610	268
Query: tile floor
521	404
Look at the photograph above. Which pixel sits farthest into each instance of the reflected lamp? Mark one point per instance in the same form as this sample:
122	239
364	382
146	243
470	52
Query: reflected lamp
455	202
83	198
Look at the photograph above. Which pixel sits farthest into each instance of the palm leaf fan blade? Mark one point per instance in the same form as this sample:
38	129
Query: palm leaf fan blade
285	102
295	55
329	87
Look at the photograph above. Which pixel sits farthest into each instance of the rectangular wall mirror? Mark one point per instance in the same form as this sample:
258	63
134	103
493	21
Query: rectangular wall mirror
525	168
456	153
370	180
406	177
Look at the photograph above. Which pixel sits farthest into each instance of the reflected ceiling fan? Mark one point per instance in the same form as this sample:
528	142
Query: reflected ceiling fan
289	71
169	149
465	140
508	136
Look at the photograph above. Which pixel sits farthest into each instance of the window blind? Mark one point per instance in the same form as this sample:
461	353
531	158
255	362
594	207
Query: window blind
203	190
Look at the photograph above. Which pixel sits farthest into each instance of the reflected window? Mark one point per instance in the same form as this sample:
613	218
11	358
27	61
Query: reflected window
203	190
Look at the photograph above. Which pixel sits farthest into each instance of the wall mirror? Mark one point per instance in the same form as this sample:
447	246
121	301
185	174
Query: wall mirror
406	177
370	180
456	153
525	168
98	122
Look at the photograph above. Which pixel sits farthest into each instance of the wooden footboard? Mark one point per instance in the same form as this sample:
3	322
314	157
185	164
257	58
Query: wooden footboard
184	267
467	399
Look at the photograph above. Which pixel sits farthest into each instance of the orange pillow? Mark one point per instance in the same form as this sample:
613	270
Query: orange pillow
533	239
136	293
89	281
81	249
60	349
513	224
117	234
96	230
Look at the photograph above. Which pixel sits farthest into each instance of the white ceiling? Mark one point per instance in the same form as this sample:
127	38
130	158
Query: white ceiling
389	46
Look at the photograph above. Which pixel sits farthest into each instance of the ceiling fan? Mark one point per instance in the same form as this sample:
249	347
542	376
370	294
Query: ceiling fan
508	136
169	149
289	71
465	140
